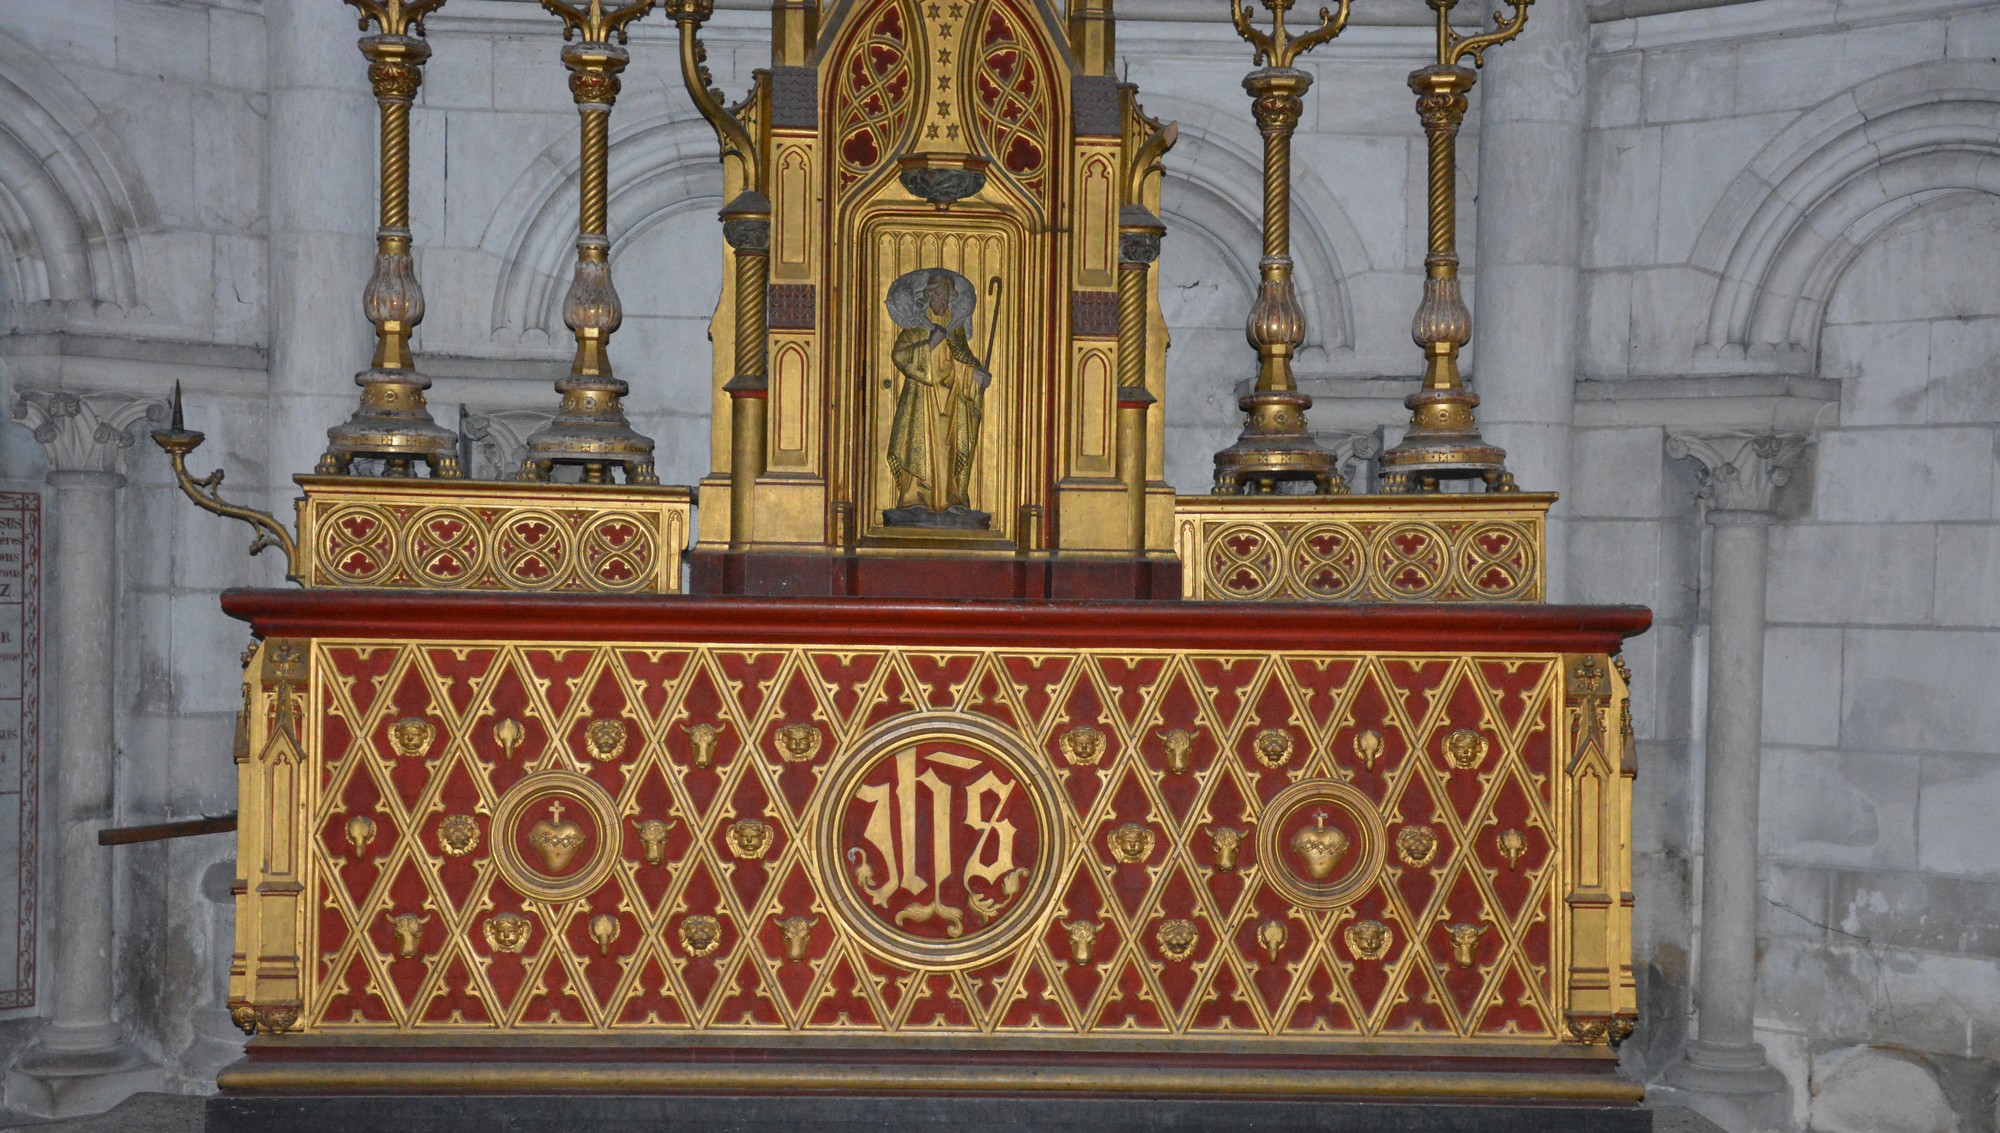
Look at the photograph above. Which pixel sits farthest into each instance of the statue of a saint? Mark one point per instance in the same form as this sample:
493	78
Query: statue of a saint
935	435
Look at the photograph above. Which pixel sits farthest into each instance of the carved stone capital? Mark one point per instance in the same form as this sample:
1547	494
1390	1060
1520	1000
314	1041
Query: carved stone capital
85	432
498	441
1740	471
1354	453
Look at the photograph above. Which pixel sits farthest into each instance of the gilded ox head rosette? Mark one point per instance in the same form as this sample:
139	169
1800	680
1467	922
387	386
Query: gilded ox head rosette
797	935
1082	936
701	743
1464	940
653	838
1225	840
408	929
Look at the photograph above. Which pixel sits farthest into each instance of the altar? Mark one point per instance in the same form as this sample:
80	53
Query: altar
931	748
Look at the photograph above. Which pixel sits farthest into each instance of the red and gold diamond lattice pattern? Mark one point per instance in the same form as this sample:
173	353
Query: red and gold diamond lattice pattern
568	837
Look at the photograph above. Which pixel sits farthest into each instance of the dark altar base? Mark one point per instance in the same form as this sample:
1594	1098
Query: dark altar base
850	1114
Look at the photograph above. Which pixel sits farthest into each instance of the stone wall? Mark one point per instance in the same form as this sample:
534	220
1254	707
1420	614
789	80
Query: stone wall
1788	224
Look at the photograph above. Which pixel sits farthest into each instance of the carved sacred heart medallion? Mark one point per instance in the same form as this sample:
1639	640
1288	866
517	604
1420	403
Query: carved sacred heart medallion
1321	846
556	838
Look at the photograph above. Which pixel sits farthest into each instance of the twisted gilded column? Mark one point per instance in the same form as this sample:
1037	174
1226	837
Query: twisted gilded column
1274	446
1724	1073
746	225
1139	234
81	1062
1443	441
392	422
590	429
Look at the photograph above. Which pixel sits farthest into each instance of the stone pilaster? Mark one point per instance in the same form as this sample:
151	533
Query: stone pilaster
320	189
81	1062
1527	296
1724	1073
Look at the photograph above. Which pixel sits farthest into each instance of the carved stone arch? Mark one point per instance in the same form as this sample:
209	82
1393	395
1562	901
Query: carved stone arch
1212	192
70	203
1828	184
662	164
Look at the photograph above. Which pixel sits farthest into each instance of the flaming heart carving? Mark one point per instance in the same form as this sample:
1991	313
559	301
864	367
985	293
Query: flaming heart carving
556	838
1321	846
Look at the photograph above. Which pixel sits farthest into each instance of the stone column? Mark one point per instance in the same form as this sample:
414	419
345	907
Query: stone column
80	1062
1724	1073
320	206
1532	111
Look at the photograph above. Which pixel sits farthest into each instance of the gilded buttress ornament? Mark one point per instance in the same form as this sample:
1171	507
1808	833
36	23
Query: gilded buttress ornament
934	437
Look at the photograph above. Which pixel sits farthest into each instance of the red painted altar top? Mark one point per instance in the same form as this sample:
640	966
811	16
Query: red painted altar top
832	621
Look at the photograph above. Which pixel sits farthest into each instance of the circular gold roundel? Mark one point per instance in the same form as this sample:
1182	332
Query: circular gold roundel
555	835
1320	843
938	839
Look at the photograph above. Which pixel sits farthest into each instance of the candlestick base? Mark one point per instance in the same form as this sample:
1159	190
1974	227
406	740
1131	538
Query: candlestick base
1274	448
393	425
590	430
1443	444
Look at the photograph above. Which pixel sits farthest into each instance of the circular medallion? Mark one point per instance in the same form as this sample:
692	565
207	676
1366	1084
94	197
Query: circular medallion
555	836
1320	843
939	839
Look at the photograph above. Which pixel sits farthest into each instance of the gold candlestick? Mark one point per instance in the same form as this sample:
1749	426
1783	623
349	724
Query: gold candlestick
1443	442
392	422
1274	446
746	226
590	429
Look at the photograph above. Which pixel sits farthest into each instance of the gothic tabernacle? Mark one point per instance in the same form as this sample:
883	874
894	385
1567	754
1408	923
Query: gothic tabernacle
975	762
